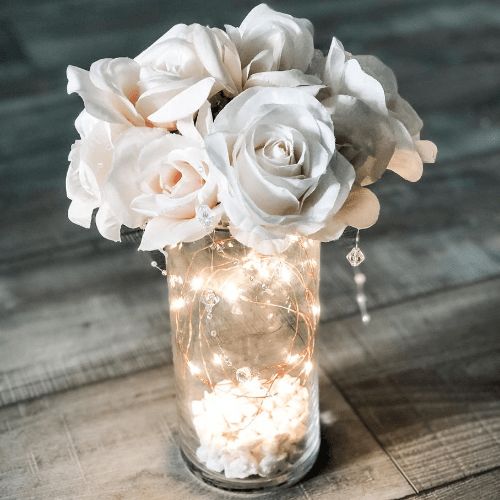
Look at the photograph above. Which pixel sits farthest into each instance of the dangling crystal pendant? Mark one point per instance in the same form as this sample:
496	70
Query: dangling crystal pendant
209	299
355	257
243	374
204	216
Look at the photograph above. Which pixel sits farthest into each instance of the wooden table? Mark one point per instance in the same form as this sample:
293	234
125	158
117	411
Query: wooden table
410	403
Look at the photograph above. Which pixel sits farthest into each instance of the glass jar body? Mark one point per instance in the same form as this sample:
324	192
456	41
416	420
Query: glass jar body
243	327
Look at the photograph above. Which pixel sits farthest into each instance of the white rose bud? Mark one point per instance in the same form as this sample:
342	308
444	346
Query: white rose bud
275	49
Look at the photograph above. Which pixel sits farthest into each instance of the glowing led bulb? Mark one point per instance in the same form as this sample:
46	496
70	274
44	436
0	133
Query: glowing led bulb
217	359
177	304
263	271
193	368
308	366
292	358
196	283
175	280
285	273
230	292
316	310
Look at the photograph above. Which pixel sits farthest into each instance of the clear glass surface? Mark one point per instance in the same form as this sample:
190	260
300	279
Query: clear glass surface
244	326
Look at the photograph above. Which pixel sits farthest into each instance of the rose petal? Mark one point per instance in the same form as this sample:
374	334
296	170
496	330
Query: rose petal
107	224
183	104
226	70
289	78
204	120
122	186
407	164
359	84
364	137
427	151
361	209
105	101
406	160
80	212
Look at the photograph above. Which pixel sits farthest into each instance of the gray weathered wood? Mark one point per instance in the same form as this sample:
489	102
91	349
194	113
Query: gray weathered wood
481	487
424	376
105	312
116	440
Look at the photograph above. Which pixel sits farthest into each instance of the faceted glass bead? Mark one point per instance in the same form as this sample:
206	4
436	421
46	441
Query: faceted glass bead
355	257
209	298
243	374
204	216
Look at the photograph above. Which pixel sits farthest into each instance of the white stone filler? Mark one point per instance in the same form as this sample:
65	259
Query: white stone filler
245	431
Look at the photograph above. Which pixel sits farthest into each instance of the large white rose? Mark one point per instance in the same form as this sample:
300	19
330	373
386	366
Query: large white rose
375	128
169	81
275	48
273	152
91	162
161	179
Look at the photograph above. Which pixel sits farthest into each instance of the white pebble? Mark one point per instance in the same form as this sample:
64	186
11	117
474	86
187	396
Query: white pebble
244	431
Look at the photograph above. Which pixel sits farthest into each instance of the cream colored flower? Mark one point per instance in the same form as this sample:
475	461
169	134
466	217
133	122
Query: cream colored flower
273	154
375	128
109	90
161	179
275	49
91	162
185	67
169	81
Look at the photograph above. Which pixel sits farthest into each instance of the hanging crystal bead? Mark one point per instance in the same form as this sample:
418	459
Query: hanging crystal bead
355	257
204	216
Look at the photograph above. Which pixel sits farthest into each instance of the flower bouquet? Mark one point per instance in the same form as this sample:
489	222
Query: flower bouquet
236	152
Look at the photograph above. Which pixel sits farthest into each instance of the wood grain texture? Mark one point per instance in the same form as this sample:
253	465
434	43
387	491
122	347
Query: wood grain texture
425	378
105	312
116	439
75	309
481	487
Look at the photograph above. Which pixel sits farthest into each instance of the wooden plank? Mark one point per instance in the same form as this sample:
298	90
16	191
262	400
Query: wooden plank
28	134
116	440
481	487
424	377
78	318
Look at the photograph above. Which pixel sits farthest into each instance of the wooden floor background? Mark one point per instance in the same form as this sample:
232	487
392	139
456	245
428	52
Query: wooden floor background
410	403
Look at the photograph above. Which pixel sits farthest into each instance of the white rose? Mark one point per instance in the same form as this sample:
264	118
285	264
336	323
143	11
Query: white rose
375	128
183	68
161	179
168	81
109	90
275	48
273	152
91	162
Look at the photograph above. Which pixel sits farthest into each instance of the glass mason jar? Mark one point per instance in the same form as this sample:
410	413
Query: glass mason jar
243	328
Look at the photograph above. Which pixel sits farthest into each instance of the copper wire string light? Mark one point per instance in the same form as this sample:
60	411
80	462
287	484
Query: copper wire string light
244	326
204	288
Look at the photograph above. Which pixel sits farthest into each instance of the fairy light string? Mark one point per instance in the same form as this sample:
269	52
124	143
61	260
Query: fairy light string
203	288
253	279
